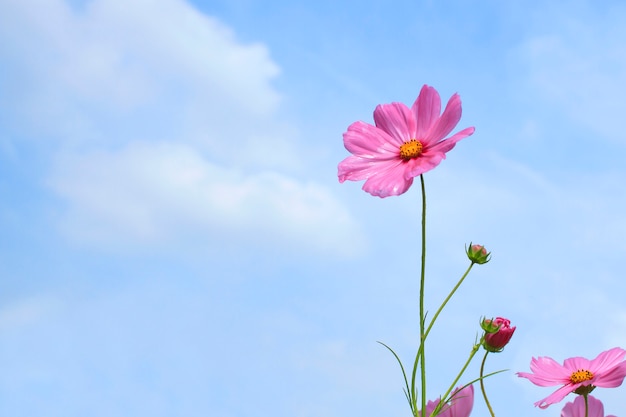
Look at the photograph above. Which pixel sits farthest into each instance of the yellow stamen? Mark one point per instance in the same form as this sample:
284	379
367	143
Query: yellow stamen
411	149
580	375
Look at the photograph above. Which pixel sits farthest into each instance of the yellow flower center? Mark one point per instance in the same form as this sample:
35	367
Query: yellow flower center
580	375
411	149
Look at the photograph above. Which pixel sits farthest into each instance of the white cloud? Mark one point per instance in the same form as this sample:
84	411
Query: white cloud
149	193
174	39
165	126
113	71
119	52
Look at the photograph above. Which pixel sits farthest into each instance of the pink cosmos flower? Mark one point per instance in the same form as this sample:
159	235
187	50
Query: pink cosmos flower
403	144
460	405
577	374
577	408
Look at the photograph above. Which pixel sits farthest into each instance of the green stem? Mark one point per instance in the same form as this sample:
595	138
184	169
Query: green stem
482	385
445	396
586	405
456	287
422	314
420	356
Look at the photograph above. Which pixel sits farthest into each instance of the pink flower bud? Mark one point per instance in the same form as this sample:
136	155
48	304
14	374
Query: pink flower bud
495	341
478	254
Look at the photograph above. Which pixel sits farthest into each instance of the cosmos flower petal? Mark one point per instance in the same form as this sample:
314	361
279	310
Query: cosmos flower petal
418	166
556	396
462	403
426	110
576	363
541	380
448	120
354	168
546	372
460	406
390	182
608	359
577	407
363	139
595	406
448	144
611	379
549	369
397	120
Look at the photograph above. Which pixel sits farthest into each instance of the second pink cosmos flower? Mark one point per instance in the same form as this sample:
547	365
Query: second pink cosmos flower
608	370
404	143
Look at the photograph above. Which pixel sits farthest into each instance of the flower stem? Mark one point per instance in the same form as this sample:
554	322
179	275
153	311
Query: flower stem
445	396
424	334
586	405
456	287
482	385
420	352
422	314
420	357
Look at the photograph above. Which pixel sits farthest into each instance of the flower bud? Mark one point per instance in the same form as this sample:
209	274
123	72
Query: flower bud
498	332
478	254
489	325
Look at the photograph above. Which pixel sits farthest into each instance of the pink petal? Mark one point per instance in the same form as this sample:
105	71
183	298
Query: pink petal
424	163
430	407
355	168
607	359
577	407
612	378
609	368
576	363
448	144
363	139
546	372
556	396
462	403
460	406
397	120
388	183
448	120
426	110
596	408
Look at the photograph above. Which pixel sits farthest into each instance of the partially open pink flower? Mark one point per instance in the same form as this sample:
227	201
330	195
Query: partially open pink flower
496	341
460	405
403	144
577	408
578	374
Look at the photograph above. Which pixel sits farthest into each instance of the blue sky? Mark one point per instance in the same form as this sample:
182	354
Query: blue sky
175	242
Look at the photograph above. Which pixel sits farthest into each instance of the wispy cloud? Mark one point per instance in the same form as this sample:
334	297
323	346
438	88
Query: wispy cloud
165	124
151	193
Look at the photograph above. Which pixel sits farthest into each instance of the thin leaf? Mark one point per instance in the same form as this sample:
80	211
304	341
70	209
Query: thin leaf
407	392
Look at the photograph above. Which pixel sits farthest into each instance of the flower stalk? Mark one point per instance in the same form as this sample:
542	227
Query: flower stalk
421	302
482	384
456	380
